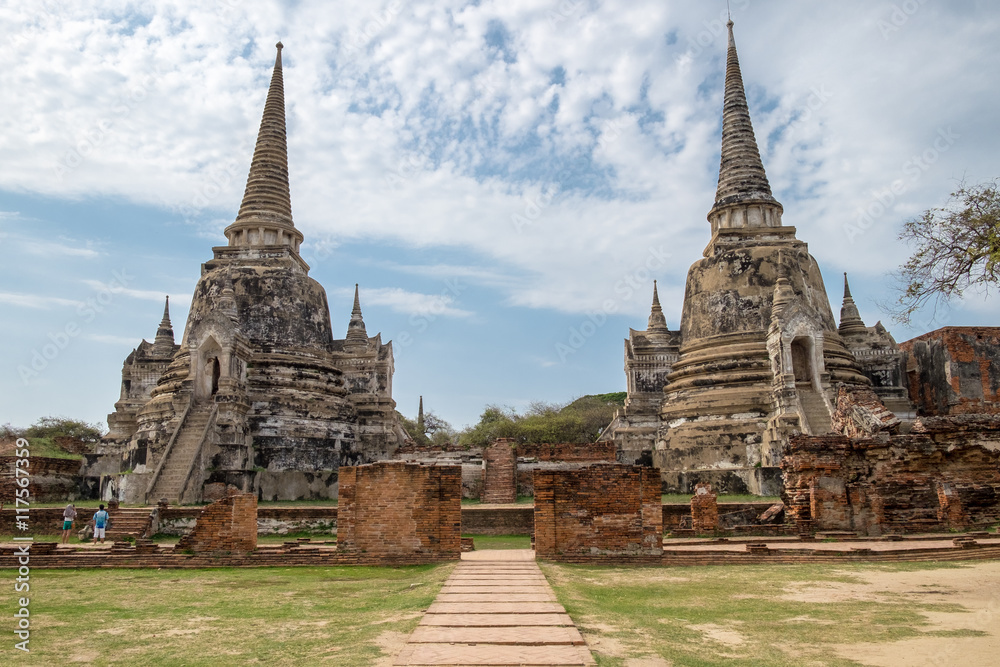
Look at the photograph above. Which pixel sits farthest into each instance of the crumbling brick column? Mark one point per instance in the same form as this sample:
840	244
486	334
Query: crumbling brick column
606	512
228	524
402	511
704	509
500	472
951	513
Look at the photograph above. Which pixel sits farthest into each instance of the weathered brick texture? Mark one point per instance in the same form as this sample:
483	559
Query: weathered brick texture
955	370
394	509
228	524
704	509
599	512
926	481
500	472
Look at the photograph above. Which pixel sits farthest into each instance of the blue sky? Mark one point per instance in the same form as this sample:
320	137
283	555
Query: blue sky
503	179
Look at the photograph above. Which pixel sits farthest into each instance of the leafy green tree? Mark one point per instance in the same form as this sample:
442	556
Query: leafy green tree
578	422
56	427
956	247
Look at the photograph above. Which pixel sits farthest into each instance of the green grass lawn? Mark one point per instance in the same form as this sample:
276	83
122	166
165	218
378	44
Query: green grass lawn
521	500
734	616
350	616
501	541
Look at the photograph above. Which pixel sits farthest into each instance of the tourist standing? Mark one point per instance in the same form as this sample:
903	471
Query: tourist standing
69	516
100	523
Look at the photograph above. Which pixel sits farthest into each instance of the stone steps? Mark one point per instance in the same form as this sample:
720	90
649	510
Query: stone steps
187	445
815	414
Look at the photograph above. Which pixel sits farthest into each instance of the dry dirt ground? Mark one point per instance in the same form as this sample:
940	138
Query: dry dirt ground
975	588
963	630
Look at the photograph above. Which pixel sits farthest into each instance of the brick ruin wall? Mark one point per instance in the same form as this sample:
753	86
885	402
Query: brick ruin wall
608	512
704	509
954	370
401	511
227	525
52	479
942	476
499	473
532	457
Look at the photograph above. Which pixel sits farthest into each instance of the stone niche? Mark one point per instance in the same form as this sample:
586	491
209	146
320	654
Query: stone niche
601	512
227	525
401	510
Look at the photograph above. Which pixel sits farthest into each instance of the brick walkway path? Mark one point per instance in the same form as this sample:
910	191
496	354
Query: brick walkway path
496	609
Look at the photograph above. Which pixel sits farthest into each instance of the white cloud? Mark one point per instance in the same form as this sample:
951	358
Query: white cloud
440	123
36	301
409	303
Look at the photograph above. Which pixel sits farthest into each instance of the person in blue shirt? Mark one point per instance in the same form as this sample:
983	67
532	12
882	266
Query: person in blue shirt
100	523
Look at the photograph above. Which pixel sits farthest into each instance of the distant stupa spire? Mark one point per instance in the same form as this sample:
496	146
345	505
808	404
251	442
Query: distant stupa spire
164	340
850	318
656	319
357	336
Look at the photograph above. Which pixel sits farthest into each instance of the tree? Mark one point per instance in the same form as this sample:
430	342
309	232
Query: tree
957	247
55	427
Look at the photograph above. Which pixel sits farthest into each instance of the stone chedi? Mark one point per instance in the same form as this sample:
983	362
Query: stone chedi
758	355
258	394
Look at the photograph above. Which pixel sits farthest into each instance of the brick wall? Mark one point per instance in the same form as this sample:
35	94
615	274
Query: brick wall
594	452
925	481
499	468
704	509
228	524
396	509
486	520
954	370
598	512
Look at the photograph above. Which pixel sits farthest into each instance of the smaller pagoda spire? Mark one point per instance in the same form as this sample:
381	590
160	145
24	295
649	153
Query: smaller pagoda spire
164	341
657	322
420	417
850	318
357	336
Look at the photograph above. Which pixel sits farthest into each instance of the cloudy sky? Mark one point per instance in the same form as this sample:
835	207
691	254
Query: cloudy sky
503	178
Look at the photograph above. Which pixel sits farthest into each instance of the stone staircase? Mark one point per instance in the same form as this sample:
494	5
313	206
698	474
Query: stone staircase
814	410
129	522
186	447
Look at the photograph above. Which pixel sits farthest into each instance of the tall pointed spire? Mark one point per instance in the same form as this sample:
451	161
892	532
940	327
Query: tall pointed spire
164	340
420	417
850	318
743	197
657	322
357	336
265	216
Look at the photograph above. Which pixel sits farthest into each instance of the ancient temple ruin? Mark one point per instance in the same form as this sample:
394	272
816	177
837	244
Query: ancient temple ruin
258	394
758	356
